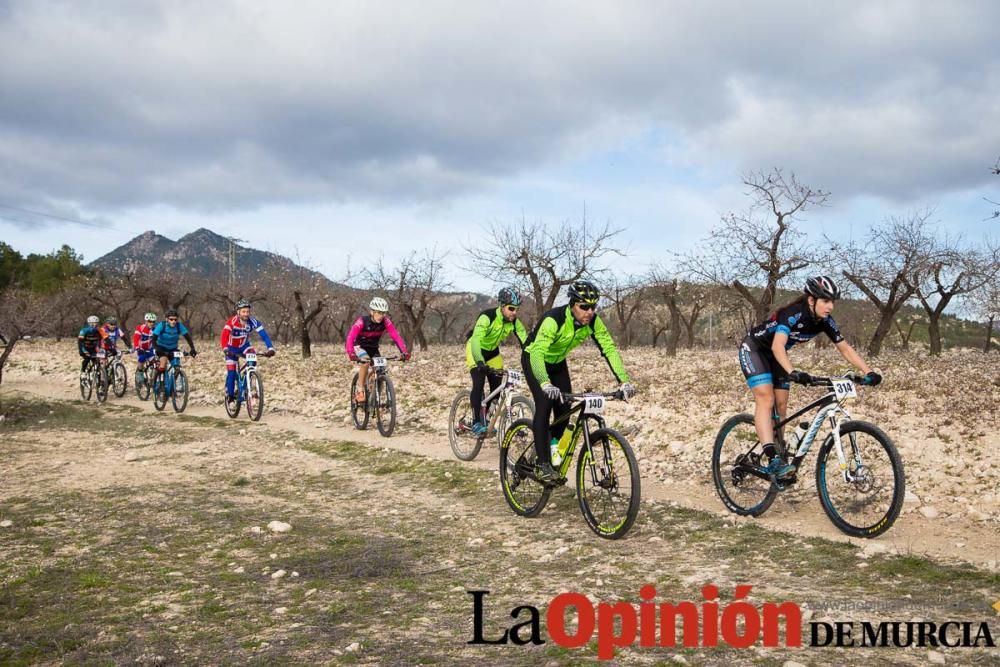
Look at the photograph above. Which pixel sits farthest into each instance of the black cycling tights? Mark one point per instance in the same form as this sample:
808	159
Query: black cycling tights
544	407
479	379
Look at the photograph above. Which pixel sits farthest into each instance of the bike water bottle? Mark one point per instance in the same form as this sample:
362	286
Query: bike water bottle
559	449
796	437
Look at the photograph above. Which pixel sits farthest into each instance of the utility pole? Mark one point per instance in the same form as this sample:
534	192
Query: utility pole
232	265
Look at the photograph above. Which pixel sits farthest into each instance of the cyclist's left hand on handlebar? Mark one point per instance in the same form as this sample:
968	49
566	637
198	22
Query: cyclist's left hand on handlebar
406	356
872	378
193	353
627	390
552	392
270	352
799	377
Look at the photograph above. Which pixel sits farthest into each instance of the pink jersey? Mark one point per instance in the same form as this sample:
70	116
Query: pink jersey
366	332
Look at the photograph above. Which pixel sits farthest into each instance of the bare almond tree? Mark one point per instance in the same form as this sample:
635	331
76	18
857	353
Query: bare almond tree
625	295
884	266
986	304
22	314
953	270
410	286
754	252
541	259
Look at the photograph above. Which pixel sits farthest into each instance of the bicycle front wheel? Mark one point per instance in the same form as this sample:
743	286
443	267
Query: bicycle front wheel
608	485
141	384
180	396
119	379
385	405
735	455
359	409
525	494
102	384
464	443
159	390
86	385
864	500
255	396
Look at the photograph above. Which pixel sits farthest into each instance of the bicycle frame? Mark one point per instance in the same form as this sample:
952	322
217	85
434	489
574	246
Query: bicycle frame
505	390
581	428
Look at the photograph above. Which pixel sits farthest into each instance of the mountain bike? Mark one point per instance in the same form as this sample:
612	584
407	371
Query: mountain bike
500	408
859	473
118	374
380	397
249	389
144	375
607	473
173	383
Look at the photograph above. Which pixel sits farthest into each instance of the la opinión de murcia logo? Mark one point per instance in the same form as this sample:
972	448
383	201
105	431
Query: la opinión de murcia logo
738	624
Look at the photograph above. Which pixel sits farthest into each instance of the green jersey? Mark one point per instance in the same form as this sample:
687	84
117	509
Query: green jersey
557	333
491	329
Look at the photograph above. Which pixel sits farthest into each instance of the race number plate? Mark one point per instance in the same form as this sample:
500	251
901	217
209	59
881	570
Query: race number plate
178	354
593	405
251	357
844	389
378	362
514	378
101	354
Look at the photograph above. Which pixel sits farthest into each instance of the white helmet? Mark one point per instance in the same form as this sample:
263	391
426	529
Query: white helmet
93	320
150	317
379	304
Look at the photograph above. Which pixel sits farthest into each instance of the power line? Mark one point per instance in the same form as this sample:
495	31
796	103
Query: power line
75	221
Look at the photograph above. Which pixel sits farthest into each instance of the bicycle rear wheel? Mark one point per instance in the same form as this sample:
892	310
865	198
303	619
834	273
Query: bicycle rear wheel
160	390
464	443
102	384
255	396
868	505
385	405
525	494
119	378
359	409
608	487
735	455
521	407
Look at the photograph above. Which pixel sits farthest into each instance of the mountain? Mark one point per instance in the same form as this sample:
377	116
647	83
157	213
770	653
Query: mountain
202	253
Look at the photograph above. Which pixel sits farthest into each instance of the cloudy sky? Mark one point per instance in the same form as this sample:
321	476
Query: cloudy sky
344	129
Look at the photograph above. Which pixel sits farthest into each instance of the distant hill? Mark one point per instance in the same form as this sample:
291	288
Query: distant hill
201	253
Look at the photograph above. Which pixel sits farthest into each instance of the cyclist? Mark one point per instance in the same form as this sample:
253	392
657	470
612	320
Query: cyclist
87	342
362	340
544	360
166	336
235	341
142	341
110	334
482	351
765	363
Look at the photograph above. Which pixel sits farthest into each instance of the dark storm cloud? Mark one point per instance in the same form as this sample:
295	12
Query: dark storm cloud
230	105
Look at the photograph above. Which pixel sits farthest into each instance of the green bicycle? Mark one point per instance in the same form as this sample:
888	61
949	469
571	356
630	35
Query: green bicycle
607	472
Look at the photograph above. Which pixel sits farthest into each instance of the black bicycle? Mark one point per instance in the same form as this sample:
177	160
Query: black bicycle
859	473
607	472
380	397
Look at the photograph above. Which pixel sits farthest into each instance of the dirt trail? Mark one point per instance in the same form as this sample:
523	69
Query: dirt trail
796	512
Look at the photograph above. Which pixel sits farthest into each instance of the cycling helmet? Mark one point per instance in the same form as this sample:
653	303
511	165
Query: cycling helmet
583	291
822	287
171	313
111	319
93	320
379	304
508	296
149	317
243	303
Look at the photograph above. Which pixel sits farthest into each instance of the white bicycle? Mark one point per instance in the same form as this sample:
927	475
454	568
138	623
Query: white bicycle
500	408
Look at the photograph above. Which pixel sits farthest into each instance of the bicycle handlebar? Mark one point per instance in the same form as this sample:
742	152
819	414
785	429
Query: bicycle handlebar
579	396
828	381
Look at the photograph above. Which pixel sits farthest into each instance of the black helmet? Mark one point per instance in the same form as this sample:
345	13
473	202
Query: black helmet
243	303
508	296
822	287
171	313
583	291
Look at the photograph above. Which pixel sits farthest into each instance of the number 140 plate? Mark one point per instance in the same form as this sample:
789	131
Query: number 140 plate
593	405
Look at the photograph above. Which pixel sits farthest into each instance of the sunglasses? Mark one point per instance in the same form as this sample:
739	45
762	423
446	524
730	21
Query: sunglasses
511	309
171	319
587	306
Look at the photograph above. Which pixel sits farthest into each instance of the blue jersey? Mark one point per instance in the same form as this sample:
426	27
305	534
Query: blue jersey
168	336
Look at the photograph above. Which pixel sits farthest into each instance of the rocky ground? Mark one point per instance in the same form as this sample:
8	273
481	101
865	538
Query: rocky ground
131	536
